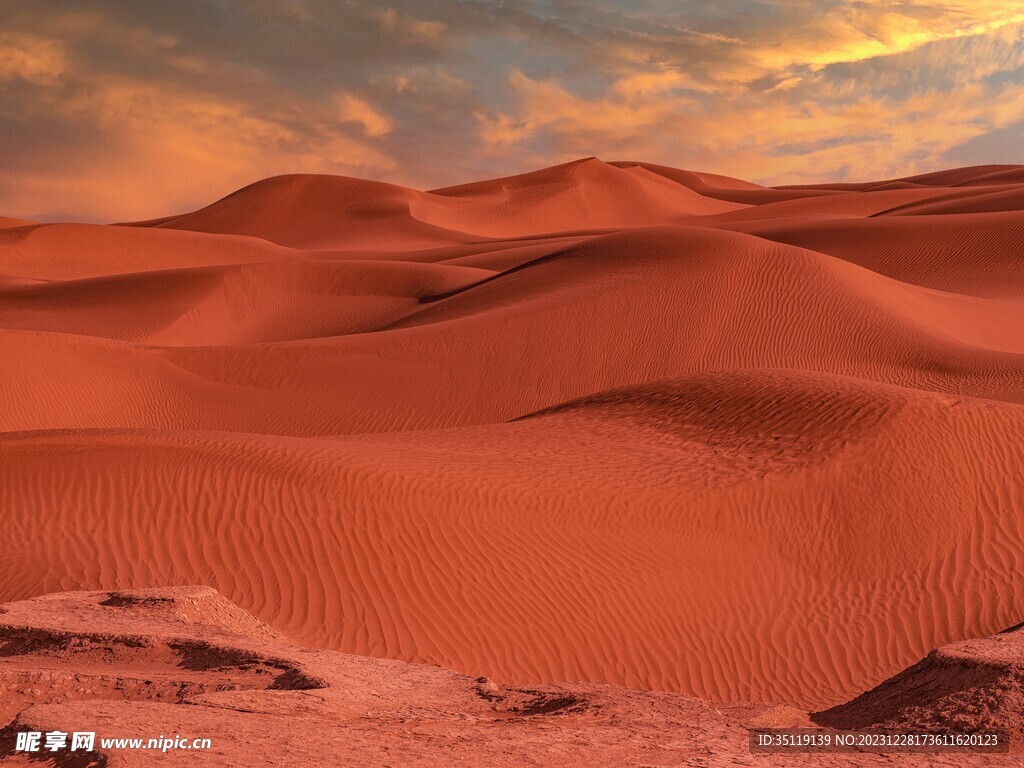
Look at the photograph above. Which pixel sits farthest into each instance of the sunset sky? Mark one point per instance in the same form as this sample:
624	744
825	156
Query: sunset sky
128	109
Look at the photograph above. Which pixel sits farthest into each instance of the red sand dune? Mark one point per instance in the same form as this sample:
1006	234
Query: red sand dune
186	662
977	254
610	422
999	199
335	212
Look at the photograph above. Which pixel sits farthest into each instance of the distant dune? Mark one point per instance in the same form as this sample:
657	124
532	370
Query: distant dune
606	422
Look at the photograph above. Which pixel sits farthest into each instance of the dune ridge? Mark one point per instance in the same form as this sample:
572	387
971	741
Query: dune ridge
612	422
418	541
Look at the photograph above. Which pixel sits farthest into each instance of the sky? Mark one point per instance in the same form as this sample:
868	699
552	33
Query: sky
116	110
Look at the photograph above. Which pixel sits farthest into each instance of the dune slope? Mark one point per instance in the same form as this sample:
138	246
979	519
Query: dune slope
605	421
647	535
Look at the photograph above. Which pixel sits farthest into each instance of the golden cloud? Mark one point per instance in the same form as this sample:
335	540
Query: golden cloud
355	110
35	60
110	117
173	144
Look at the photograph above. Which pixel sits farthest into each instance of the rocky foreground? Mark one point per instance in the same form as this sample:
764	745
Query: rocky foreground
185	663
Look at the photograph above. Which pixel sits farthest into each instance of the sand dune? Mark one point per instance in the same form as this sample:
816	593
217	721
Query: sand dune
587	194
335	212
976	254
318	212
604	421
7	222
498	548
995	200
238	304
74	251
725	187
586	318
837	204
949	177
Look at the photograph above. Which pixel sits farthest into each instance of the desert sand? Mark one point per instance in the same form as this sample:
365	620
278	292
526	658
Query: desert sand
185	662
613	423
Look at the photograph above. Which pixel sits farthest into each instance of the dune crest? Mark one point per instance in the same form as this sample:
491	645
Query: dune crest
612	422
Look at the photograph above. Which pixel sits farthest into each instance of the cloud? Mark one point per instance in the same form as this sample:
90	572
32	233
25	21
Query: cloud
35	60
352	109
119	109
810	112
173	147
630	107
395	24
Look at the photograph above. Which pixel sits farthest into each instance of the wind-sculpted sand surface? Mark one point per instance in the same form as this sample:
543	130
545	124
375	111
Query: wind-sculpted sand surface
617	423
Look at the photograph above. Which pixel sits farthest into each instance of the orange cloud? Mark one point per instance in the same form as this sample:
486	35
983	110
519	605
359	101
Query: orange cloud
35	60
803	129
396	24
355	110
173	145
106	114
854	34
547	105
